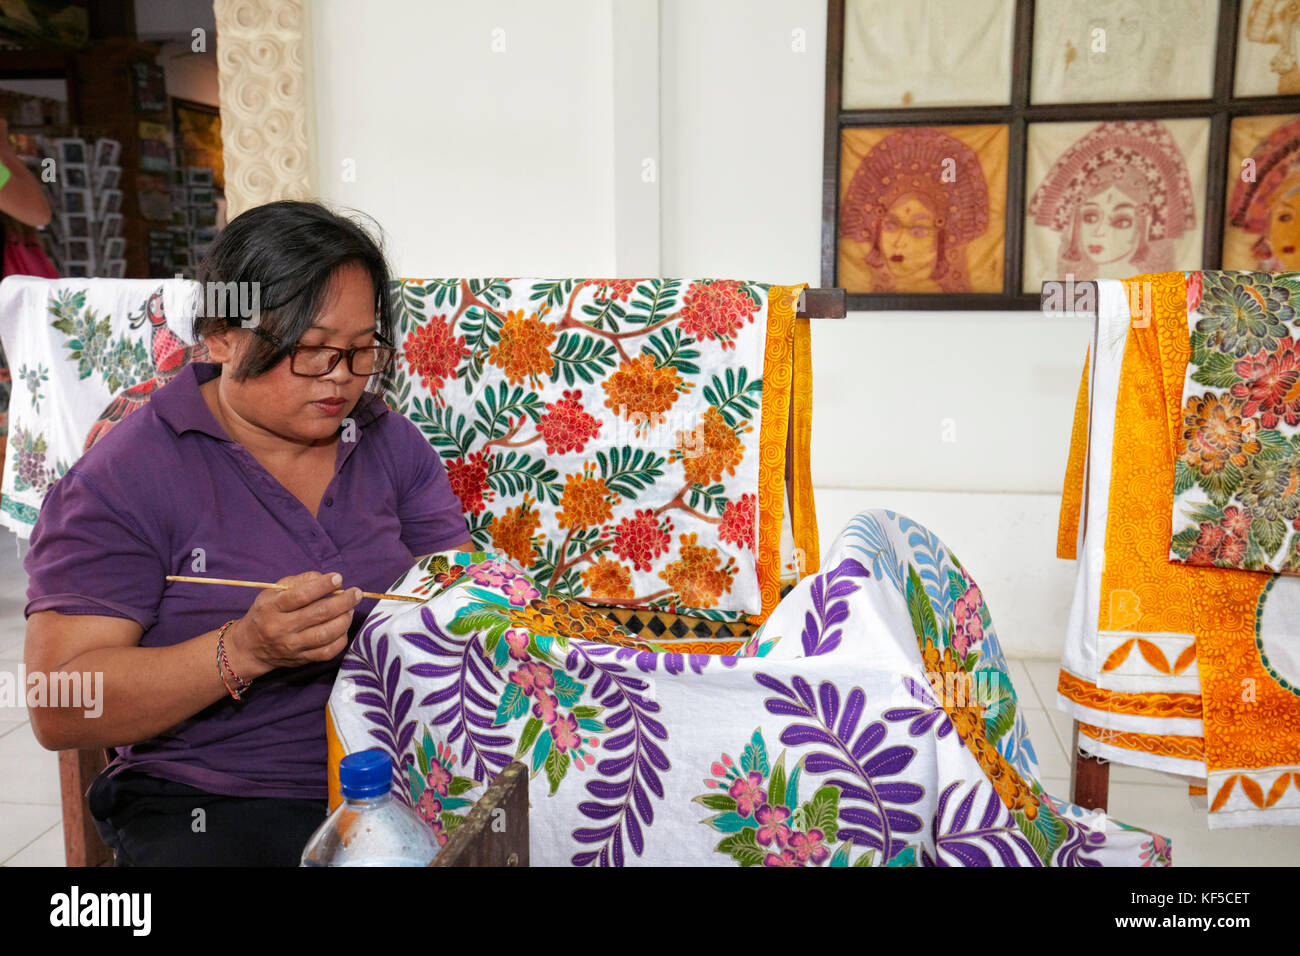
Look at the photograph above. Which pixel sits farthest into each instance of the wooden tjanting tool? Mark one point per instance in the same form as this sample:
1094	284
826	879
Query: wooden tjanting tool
285	587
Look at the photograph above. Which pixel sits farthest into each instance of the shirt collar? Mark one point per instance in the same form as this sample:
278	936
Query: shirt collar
180	404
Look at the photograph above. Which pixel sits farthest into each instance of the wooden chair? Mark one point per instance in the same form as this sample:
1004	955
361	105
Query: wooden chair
82	845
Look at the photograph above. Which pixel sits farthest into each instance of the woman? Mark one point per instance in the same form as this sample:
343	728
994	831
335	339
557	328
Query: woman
1119	197
271	463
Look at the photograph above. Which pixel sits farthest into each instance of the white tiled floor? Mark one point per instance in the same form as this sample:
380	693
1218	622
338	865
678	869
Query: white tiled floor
31	832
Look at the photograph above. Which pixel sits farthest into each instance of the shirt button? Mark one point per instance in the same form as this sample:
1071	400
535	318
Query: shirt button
329	502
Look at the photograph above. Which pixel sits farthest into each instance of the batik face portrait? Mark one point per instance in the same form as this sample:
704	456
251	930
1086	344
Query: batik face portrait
1113	200
1262	231
922	209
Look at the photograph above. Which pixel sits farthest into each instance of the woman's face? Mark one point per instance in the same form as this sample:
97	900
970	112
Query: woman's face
908	240
1284	225
303	409
1109	226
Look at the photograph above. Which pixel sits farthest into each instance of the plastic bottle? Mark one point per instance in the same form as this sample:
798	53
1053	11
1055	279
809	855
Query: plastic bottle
370	828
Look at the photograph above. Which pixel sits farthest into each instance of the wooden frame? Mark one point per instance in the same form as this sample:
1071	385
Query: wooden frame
1220	110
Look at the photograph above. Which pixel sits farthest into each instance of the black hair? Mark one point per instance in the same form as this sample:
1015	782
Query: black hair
291	250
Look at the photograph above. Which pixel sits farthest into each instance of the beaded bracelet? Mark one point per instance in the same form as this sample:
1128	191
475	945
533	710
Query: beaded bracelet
223	665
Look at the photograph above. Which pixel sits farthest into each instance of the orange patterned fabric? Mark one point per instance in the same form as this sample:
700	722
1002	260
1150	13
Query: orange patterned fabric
804	519
1251	725
1088	694
780	386
1067	529
1164	745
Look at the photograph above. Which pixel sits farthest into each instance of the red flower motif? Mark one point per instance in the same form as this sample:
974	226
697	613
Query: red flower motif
612	288
640	539
566	426
434	353
716	310
469	480
1236	521
738	521
1222	544
1271	385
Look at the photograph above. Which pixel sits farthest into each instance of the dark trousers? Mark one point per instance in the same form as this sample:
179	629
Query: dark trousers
153	822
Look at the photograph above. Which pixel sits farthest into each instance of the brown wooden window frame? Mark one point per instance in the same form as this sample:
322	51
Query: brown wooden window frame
1220	109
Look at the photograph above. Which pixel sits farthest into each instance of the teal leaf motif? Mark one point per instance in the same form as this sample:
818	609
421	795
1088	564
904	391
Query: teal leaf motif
754	759
629	471
735	397
581	357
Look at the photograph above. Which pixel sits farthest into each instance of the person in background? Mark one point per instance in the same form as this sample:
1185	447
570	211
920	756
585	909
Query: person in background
23	204
273	462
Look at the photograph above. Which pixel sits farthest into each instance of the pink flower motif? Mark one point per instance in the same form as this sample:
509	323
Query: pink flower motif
546	708
428	807
787	858
543	678
565	733
518	643
524	678
438	779
492	573
771	824
968	626
520	592
808	846
748	793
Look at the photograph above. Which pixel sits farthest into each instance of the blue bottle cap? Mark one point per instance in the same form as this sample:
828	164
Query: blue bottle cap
366	773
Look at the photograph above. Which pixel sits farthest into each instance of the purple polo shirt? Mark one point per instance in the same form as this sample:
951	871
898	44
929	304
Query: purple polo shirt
168	481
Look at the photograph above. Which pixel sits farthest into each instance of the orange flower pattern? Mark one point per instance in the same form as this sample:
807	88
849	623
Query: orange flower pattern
586	500
524	350
697	576
639	387
513	532
608	579
722	451
602	433
1215	434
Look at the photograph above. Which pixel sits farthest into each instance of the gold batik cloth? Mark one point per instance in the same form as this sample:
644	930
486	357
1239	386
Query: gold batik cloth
1160	666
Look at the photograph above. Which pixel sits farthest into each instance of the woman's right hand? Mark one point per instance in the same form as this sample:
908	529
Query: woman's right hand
289	628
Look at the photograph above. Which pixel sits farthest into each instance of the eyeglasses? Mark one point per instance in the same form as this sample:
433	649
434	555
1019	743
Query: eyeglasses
317	360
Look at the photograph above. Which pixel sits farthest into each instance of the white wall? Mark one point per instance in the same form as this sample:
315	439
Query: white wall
480	163
497	115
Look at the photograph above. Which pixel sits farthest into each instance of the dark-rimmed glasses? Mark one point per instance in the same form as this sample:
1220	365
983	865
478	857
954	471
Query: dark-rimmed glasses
317	360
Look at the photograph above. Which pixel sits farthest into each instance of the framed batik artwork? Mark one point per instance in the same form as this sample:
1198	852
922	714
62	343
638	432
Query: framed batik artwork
927	53
975	150
1115	199
1120	50
1262	232
1267	49
923	209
